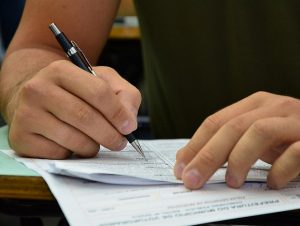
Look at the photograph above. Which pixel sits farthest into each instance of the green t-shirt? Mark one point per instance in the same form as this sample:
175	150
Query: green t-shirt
202	55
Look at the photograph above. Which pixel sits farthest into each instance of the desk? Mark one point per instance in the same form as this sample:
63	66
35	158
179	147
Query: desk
123	32
126	27
16	180
23	192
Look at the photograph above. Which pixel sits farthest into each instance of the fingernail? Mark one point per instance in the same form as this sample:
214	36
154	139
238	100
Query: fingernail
179	167
232	180
192	178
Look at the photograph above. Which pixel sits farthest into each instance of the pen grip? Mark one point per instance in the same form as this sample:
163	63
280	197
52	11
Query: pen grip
76	59
130	137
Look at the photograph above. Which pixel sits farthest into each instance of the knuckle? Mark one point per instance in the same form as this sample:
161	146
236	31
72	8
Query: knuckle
136	93
208	158
32	89
289	103
108	70
259	98
262	128
118	113
191	147
236	125
56	66
212	123
100	92
23	114
84	115
260	95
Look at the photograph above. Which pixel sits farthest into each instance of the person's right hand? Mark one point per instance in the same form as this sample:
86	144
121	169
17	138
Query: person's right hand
63	110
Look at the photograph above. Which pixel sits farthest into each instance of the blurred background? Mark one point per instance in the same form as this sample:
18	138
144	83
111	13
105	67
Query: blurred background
10	13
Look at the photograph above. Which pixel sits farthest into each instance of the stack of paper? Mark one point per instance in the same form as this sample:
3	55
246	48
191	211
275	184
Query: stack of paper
127	167
90	203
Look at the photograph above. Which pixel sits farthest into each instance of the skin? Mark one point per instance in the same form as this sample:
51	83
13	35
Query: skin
52	107
262	126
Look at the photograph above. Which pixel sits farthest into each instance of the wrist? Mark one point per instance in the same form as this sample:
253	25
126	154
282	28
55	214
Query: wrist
8	102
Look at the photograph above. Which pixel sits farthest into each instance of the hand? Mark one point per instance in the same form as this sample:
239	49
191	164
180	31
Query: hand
63	109
262	126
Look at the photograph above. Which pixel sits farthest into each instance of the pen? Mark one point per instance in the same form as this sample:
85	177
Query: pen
77	57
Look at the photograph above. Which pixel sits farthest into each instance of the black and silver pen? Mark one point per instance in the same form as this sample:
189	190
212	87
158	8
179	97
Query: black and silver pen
77	57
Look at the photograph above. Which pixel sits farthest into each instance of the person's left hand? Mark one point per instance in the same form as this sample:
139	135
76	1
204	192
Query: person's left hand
262	126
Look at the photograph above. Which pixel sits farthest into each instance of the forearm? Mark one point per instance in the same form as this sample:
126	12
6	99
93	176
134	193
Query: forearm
18	67
34	47
51	114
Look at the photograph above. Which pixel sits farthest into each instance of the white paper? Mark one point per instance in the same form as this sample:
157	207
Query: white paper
95	204
128	167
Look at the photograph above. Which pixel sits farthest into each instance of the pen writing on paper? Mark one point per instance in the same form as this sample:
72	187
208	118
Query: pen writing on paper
77	57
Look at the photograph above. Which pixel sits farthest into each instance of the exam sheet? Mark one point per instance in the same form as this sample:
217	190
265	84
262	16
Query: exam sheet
128	167
89	203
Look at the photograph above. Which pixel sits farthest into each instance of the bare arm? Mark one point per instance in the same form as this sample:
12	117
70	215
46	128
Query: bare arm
33	46
52	107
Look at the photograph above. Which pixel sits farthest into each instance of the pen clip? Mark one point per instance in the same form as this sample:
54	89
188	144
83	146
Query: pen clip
83	57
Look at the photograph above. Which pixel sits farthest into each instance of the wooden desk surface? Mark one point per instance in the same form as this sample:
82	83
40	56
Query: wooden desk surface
16	180
121	32
125	27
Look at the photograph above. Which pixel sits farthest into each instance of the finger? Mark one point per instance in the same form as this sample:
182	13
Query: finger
111	76
35	146
187	153
128	94
263	136
94	91
25	142
210	126
131	101
285	168
43	125
73	111
64	135
215	153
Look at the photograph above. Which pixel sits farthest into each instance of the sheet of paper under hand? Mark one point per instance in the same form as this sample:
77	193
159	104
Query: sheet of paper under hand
90	203
127	167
